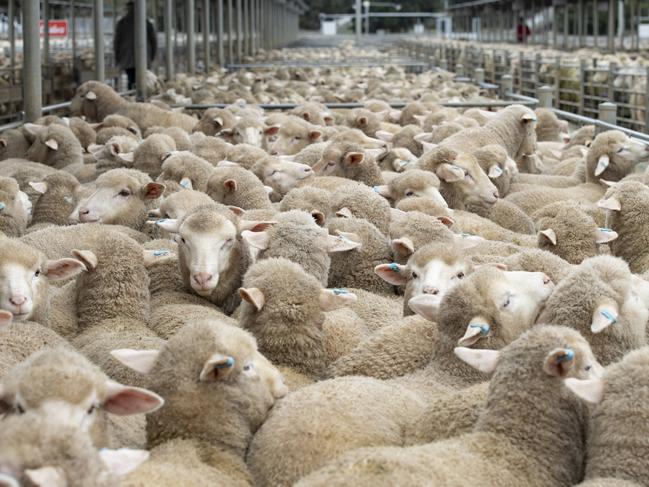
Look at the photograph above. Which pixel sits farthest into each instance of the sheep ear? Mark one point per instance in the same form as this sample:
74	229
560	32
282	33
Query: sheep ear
319	217
169	224
354	158
423	137
591	390
480	359
610	184
328	119
315	134
39	187
450	173
253	296
255	226
152	191
141	361
610	204
605	315
217	367
446	220
383	190
91	95
151	257
528	117
353	237
272	130
384	135
393	273
559	361
341	244
46	477
604	235
331	299
495	171
230	185
218	122
3	143
123	461
476	329
362	120
186	183
124	400
226	163
268	189
549	235
33	129
88	257
403	247
425	305
236	210
55	270
258	240
344	212
6	317
602	164
52	144
428	146
7	481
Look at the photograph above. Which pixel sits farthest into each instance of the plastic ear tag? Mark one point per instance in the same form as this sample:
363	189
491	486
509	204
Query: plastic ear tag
567	357
339	291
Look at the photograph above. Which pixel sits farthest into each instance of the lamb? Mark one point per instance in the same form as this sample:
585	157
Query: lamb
549	128
214	120
582	136
233	185
121	197
54	145
569	232
280	175
313	200
412	230
310	155
116	152
96	100
212	255
359	201
296	237
614	449
397	159
181	166
15	208
212	149
151	153
180	137
245	155
178	204
544	357
627	204
247	130
313	112
346	162
598	298
13	143
413	183
293	331
612	155
293	135
215	368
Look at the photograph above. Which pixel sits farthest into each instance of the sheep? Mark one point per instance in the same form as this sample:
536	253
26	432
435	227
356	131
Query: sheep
296	237
534	199
233	185
310	155
612	155
549	128
536	365
54	145
149	155
247	130
500	168
115	153
397	159
203	367
15	208
313	200
214	120
582	136
121	197
615	447
627	204
413	183
118	121
244	154
280	175
292	135
180	137
212	255
186	168
178	204
39	451
569	232
359	201
13	143
61	383
412	230
283	308
96	100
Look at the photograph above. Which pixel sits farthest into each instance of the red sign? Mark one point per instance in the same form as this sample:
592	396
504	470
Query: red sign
57	28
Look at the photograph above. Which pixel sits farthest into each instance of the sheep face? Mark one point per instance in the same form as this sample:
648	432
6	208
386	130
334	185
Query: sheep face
467	181
50	142
290	137
117	199
612	156
15	208
246	131
414	183
283	175
24	274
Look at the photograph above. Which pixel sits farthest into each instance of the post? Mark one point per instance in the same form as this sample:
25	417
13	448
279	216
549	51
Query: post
190	26
239	31
169	48
596	23
46	36
479	75
565	25
611	26
98	27
246	27
366	6
554	24
580	22
608	112
544	94
358	21
32	79
230	33
506	85
219	31
206	35
12	38
646	103
140	49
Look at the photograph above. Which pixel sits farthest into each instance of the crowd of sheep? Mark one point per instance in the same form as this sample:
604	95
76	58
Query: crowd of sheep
368	297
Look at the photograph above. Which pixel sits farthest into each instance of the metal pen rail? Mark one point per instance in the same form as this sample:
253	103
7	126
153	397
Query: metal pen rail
346	64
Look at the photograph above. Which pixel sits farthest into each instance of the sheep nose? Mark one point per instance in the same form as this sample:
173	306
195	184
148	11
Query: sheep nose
308	170
202	279
431	290
274	153
546	279
18	300
496	195
83	211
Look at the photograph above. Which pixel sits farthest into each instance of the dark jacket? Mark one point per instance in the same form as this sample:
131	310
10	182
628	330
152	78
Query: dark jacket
124	41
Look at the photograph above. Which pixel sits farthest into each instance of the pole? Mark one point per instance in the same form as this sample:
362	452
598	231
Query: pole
358	22
596	23
246	28
239	30
98	24
611	26
206	34
12	38
230	33
32	79
169	48
580	22
219	31
140	49
46	34
190	26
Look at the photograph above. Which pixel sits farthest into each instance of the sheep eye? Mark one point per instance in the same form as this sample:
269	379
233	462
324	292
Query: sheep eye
91	409
132	130
587	368
247	367
410	193
460	275
506	303
227	243
182	239
37	273
621	149
415	275
297	138
272	173
468	176
20	409
124	193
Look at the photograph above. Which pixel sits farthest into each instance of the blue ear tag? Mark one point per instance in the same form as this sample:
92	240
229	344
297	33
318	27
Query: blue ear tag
604	229
338	291
375	188
484	328
567	357
228	363
2	206
158	222
607	314
68	199
160	252
185	184
394	267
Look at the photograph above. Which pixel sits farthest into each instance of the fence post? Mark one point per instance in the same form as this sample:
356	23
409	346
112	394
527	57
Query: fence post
557	81
506	85
479	75
646	101
443	65
608	112
612	67
544	94
459	70
582	89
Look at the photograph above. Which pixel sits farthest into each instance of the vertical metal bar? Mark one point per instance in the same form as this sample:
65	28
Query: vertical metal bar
219	31
611	26
169	48
32	79
565	25
46	35
74	30
190	27
555	19
239	31
206	34
12	37
140	49
253	26
230	33
646	102
596	23
358	22
580	22
246	27
98	24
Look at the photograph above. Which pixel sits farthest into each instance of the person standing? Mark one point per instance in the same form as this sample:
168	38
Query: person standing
523	31
124	43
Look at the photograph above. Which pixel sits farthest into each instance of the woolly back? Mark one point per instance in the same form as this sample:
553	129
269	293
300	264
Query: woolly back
363	202
617	441
535	411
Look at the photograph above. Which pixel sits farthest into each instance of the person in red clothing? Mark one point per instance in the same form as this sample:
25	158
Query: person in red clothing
522	31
